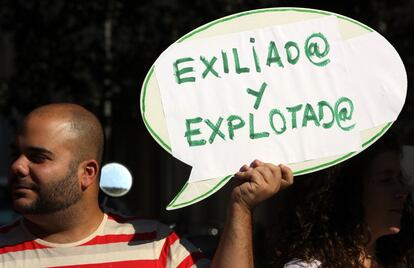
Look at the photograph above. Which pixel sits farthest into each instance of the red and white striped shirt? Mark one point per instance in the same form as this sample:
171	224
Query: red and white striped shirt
118	242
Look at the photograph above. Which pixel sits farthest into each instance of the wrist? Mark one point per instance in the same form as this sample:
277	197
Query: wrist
240	209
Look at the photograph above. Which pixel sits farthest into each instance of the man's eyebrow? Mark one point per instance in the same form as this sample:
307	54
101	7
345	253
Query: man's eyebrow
33	149
41	150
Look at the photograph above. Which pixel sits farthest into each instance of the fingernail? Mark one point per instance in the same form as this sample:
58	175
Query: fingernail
244	168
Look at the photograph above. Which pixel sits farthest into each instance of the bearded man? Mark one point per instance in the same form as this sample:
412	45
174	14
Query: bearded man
54	183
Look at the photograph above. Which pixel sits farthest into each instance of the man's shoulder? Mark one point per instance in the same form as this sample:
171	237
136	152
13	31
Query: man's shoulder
134	220
145	227
166	242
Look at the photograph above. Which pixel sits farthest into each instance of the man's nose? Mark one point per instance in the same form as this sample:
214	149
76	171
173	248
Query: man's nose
20	167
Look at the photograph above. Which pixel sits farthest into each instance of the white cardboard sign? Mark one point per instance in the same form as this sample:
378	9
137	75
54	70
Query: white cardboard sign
299	92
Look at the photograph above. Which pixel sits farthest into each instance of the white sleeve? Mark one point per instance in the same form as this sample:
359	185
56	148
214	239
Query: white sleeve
302	264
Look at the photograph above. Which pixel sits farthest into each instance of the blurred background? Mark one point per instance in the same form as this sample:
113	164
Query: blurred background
97	53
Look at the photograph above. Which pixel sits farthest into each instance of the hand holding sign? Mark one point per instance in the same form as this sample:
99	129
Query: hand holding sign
258	182
292	86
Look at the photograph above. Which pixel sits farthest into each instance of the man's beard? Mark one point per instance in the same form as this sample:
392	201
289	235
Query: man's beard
54	196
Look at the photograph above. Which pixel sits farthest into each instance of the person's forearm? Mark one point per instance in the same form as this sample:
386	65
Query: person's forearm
236	247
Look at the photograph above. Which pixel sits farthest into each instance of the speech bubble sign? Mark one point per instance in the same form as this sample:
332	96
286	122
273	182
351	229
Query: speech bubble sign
285	104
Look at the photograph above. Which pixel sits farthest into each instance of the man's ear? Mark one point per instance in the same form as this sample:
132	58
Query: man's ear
89	173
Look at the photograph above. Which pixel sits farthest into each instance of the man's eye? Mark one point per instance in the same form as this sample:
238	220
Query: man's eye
38	158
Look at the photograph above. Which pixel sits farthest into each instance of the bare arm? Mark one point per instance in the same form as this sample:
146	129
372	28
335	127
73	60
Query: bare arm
255	183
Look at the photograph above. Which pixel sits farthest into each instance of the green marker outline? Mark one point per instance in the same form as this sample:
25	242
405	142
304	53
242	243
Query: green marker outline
220	184
217	187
